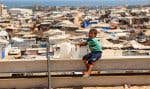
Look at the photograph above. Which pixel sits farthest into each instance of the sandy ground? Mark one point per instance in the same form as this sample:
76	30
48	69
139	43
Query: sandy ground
117	87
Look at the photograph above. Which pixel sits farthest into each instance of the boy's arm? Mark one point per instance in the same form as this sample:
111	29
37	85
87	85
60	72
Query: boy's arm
82	44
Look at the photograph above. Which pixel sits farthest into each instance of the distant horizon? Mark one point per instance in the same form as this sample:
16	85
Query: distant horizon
90	3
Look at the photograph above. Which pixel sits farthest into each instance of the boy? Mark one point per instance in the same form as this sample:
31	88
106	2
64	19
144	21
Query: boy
94	55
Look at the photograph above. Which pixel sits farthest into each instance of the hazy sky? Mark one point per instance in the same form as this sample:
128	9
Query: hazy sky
14	3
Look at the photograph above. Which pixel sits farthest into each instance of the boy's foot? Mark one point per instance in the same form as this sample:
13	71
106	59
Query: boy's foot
86	75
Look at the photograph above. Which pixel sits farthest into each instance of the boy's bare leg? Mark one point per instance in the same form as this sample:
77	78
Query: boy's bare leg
89	69
90	66
86	63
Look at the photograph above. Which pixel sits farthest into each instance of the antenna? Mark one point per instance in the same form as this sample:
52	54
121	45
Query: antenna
102	4
126	2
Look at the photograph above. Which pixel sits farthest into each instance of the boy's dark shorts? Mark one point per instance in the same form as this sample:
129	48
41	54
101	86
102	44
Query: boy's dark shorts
92	57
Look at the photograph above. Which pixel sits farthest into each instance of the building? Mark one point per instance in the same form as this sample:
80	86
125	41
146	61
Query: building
3	11
20	12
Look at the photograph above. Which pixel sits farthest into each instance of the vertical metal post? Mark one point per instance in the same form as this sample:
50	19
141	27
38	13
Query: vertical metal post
48	64
102	4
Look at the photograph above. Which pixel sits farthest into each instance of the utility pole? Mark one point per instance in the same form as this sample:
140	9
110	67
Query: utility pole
48	64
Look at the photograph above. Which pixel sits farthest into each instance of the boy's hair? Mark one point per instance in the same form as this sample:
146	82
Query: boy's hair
94	30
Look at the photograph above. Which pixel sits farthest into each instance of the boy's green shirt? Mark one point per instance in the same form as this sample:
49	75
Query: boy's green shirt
94	45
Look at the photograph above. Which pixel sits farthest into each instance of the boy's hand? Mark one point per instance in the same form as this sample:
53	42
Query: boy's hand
78	44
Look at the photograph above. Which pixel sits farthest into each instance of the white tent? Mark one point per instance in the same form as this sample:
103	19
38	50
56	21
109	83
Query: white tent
137	45
3	33
17	39
2	41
